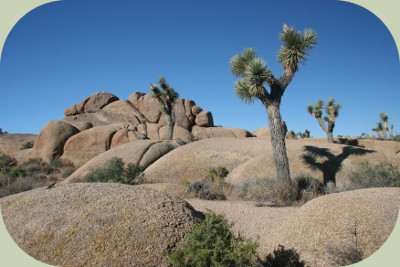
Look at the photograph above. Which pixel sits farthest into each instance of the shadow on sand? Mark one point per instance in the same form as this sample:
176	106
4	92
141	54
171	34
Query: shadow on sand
329	164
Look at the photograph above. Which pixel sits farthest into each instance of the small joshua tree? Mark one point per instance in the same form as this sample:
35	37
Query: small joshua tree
166	96
332	111
382	125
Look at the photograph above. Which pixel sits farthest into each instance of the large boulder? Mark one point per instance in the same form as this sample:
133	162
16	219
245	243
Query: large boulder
97	224
262	132
123	111
250	158
87	144
177	133
183	118
323	229
91	104
204	119
146	105
51	140
193	161
142	153
214	132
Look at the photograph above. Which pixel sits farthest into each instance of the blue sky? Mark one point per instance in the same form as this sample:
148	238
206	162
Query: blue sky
62	52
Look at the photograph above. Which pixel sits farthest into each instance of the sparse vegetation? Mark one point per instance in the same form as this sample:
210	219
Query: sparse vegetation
332	111
303	189
213	187
31	174
383	174
2	132
114	171
212	243
27	145
349	254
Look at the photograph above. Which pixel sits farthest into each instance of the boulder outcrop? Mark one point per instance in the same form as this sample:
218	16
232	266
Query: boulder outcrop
249	158
142	153
97	224
103	121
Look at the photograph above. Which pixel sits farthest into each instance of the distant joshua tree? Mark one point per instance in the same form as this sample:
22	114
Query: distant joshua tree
332	111
166	96
255	76
382	125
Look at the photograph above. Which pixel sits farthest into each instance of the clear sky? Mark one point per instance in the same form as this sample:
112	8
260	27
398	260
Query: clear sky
62	52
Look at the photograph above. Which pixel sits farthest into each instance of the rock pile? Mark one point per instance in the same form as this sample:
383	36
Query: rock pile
103	121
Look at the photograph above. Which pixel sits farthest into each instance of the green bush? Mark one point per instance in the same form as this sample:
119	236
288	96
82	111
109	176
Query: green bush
6	163
217	174
383	174
115	172
27	145
211	243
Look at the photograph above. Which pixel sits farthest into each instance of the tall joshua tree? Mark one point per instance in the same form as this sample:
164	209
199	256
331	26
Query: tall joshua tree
255	77
166	96
331	109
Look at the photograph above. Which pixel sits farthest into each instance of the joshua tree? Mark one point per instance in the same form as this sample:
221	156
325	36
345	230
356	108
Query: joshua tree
255	76
332	111
166	96
391	132
382	126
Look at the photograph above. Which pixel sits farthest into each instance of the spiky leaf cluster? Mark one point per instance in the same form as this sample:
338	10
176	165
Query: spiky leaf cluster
295	45
254	73
165	94
332	110
316	110
384	117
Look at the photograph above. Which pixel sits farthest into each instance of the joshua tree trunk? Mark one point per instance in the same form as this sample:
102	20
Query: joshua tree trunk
328	131
170	126
277	128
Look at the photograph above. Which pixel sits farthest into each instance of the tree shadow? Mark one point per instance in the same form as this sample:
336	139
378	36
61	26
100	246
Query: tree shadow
282	257
322	159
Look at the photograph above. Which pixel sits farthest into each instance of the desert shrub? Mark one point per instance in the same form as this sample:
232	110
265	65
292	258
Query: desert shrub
284	194
31	174
217	174
6	163
114	171
282	257
133	174
205	190
308	187
300	190
11	184
27	145
34	166
383	174
213	187
212	243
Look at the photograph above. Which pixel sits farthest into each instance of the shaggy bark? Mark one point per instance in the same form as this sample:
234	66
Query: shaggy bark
277	127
